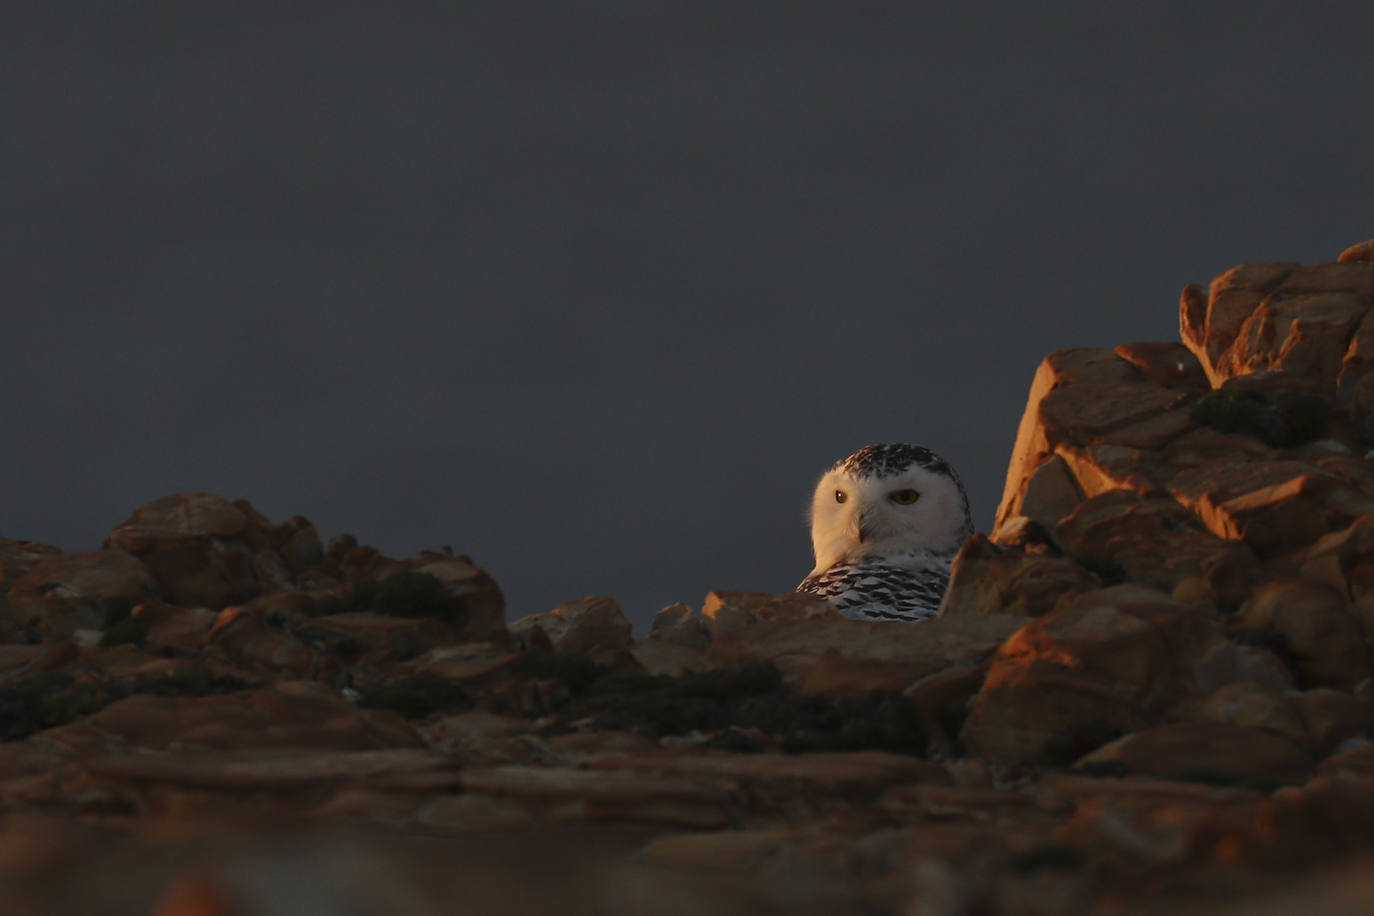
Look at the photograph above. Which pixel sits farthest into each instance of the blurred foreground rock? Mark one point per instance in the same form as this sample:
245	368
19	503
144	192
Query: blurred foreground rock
1149	689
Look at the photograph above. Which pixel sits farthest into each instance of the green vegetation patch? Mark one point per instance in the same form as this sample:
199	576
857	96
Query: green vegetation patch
52	698
749	698
127	632
417	697
1282	422
408	594
575	672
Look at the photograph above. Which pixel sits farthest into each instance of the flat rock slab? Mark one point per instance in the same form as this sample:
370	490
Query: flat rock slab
926	647
234	721
840	772
1207	747
275	769
570	794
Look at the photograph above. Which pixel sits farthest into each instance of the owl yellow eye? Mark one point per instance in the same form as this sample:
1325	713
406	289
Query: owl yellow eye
841	496
904	497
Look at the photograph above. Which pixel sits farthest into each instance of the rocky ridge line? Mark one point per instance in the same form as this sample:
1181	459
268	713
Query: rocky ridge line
1148	689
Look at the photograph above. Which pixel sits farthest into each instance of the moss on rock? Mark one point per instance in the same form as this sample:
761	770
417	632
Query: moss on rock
417	697
1282	422
407	594
51	699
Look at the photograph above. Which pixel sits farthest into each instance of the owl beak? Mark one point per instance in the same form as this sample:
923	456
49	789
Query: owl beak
865	530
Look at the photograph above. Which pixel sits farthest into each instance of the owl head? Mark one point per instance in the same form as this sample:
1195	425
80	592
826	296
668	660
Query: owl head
885	501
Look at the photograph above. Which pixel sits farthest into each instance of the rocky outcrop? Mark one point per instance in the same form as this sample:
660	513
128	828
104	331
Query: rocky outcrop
1150	688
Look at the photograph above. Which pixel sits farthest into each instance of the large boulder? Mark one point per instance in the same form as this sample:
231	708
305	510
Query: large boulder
1315	623
75	591
1110	662
204	550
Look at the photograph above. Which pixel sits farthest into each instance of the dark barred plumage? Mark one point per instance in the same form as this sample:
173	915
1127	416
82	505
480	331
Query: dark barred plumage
875	590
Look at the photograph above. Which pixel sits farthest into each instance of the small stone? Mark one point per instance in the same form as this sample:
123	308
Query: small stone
588	626
681	625
1363	253
728	611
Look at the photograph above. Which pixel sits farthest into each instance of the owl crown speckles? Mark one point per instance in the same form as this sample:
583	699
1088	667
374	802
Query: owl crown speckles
885	524
890	458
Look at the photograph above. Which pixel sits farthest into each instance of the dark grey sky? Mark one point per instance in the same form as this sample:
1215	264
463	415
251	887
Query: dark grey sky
593	291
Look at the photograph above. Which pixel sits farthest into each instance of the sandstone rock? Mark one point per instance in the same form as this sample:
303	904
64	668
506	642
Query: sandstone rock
851	772
727	611
681	625
724	612
1363	253
244	635
1051	493
1209	330
168	625
207	551
184	515
742	851
1077	397
298	544
1316	625
273	769
270	718
1356	763
656	656
18	557
1276	508
67	592
1157	542
1112	660
602	795
480	737
1204	748
1304	333
1333	718
465	663
1169	364
1360	398
484	606
194	573
588	626
1342	559
1228	663
1250	704
375	635
919	649
986	579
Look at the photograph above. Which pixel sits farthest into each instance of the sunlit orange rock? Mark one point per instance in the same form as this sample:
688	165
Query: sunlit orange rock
988	579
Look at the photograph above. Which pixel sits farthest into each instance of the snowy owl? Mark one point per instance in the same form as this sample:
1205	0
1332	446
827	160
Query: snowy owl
885	524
